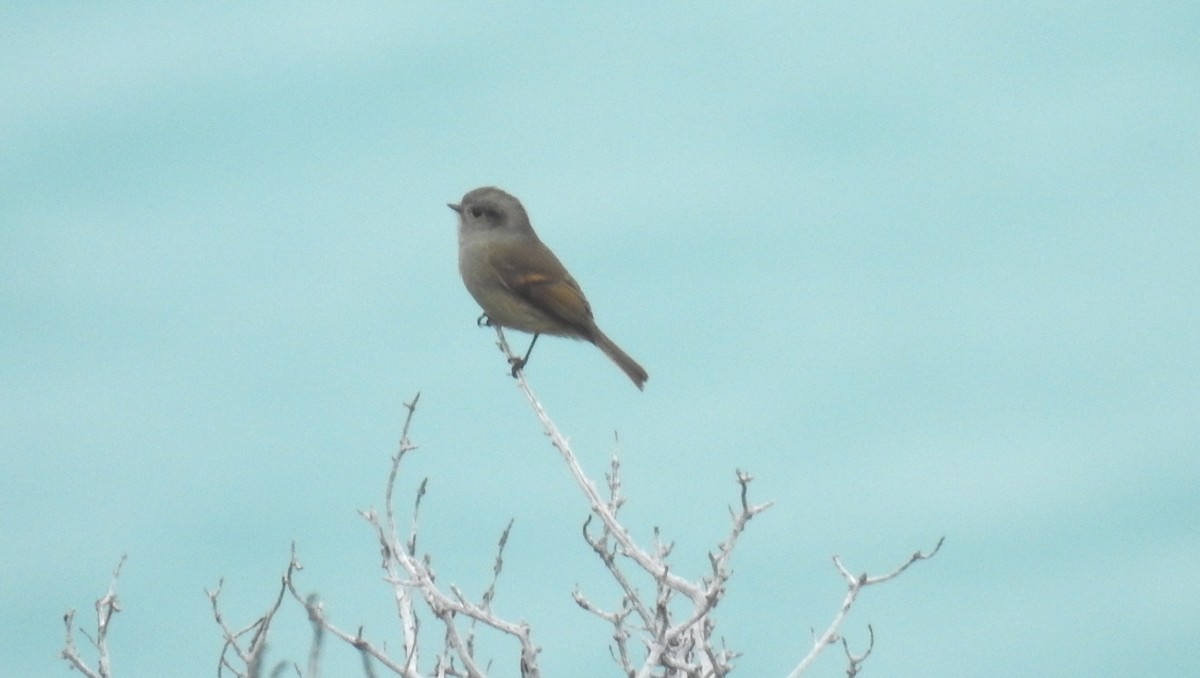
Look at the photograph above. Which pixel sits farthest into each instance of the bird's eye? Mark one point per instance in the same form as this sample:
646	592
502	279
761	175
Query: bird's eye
477	211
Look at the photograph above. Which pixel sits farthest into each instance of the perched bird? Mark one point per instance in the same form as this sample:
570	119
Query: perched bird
519	282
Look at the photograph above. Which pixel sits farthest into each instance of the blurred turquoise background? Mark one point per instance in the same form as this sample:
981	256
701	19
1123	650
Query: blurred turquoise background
923	269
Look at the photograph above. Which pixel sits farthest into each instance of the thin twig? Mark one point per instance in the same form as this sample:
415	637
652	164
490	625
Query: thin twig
854	662
670	646
316	615
106	607
250	658
855	586
629	548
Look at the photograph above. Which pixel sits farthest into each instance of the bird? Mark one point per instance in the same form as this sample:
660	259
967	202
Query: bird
519	283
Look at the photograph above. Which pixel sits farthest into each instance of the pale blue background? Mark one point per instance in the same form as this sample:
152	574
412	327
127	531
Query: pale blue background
925	269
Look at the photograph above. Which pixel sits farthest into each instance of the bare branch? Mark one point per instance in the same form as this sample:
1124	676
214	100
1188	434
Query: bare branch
316	616
490	592
855	585
682	648
409	573
251	658
854	662
106	607
599	507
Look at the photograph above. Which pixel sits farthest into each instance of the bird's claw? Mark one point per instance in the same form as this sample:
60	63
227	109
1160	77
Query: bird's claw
517	365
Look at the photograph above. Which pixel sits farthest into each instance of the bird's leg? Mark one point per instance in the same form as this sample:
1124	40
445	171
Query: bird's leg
483	320
519	363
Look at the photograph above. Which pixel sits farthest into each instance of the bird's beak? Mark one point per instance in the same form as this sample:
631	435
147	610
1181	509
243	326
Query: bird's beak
456	208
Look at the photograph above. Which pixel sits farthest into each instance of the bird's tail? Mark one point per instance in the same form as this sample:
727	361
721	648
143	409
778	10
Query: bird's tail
628	365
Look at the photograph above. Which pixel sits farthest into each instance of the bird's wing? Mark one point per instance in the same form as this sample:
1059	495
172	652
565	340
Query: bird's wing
548	286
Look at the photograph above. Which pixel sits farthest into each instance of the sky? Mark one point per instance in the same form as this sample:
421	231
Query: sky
923	269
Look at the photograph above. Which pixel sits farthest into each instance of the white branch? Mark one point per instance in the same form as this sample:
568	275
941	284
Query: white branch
855	586
683	648
106	607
